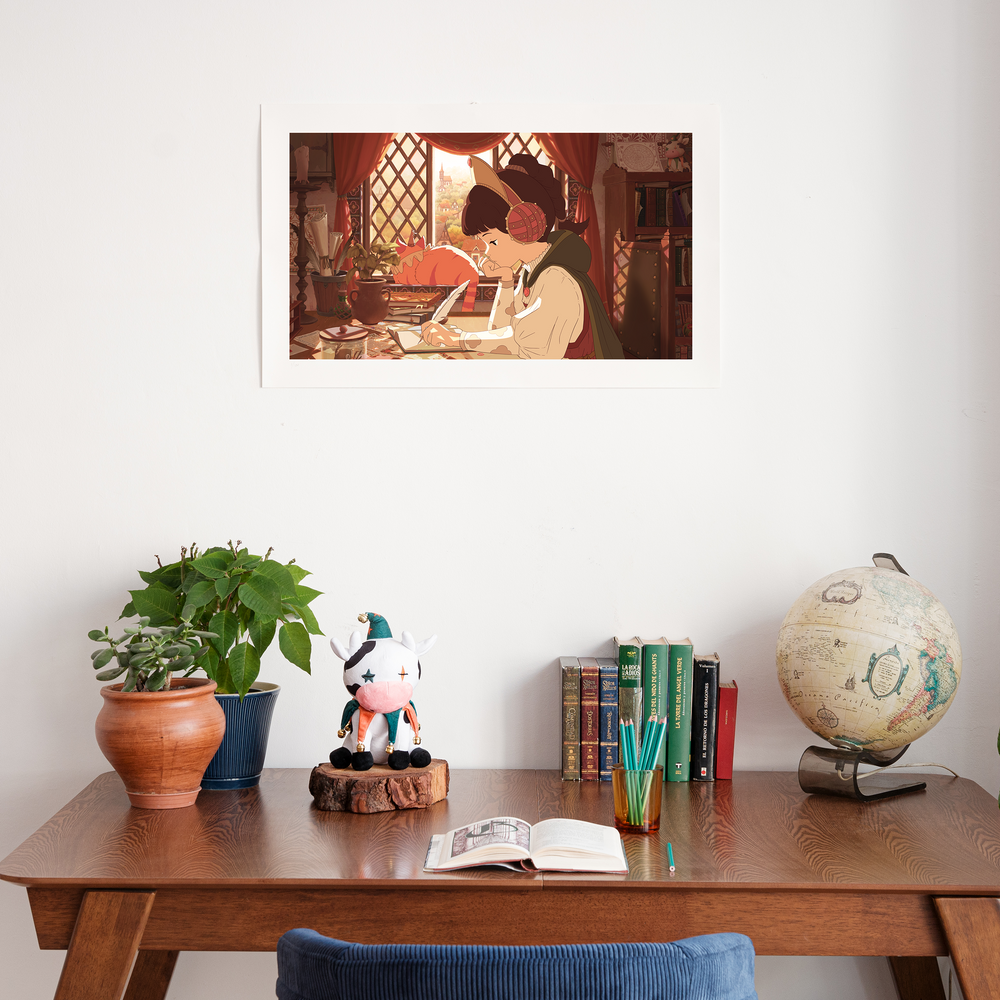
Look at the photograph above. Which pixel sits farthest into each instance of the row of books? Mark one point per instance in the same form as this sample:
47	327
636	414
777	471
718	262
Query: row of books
663	206
683	310
656	678
683	267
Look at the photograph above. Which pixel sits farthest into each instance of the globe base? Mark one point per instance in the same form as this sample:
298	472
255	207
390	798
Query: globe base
828	771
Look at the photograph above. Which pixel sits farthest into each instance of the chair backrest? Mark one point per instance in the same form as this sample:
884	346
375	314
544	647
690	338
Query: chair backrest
710	967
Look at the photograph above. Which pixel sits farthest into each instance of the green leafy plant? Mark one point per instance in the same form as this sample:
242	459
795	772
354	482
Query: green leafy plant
147	656
379	257
241	599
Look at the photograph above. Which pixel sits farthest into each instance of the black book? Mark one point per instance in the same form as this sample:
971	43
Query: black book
705	717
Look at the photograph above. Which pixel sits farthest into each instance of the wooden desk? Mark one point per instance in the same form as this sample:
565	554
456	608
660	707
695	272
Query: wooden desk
910	877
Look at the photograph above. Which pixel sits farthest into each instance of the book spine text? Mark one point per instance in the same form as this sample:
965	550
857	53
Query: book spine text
705	714
609	717
590	725
680	693
629	683
654	686
570	718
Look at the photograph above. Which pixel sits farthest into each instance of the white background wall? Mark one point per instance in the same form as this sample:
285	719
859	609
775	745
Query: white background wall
857	413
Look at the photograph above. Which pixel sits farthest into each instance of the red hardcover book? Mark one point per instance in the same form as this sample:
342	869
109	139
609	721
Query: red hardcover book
725	738
590	719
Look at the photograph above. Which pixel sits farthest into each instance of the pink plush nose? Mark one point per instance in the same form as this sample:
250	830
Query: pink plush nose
384	696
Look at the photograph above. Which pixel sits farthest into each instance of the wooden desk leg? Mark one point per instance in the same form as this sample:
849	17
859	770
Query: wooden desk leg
917	978
151	975
105	938
972	927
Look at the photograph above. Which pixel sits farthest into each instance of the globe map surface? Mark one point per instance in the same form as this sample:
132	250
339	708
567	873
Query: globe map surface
869	659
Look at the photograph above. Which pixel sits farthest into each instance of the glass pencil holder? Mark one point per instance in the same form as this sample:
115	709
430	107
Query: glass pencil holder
638	795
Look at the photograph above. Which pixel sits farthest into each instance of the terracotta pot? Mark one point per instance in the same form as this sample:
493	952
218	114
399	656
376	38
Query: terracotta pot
160	742
370	300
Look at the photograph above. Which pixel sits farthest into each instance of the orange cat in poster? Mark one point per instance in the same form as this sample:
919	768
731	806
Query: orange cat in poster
438	265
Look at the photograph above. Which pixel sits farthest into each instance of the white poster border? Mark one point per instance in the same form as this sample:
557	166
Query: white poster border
278	370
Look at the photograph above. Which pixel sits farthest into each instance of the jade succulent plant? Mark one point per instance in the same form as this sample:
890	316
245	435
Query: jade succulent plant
147	656
235	601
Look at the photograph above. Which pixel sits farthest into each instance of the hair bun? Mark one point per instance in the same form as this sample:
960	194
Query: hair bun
526	223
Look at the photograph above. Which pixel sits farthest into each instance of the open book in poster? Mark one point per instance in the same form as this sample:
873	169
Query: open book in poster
569	845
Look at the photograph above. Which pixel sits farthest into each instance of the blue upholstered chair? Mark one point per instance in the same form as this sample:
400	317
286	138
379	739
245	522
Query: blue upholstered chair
711	967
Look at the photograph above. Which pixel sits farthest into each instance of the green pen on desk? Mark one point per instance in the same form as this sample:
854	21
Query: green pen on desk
670	856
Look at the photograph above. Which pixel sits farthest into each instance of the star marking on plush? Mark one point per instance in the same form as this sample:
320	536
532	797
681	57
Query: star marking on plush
368	676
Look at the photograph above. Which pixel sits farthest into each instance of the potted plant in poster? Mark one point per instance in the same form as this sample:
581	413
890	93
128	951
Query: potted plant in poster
159	734
244	600
370	300
329	281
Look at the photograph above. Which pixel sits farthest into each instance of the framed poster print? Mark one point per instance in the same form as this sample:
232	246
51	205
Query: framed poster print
581	250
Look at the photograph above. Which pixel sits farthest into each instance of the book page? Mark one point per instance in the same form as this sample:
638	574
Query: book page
572	842
502	838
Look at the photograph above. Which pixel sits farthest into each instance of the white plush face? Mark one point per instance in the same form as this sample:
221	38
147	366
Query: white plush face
382	674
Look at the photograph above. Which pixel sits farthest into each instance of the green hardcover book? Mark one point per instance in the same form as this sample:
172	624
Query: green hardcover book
654	685
679	693
569	668
629	656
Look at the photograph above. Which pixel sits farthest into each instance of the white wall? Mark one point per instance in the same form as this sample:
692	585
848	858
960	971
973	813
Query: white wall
859	307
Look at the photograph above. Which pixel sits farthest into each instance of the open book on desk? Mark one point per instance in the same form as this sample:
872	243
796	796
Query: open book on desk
552	845
410	339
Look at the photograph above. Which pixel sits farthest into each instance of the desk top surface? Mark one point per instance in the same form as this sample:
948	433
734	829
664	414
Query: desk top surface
758	831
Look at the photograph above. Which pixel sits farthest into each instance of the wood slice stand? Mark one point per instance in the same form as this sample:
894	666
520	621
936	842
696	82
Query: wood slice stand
379	790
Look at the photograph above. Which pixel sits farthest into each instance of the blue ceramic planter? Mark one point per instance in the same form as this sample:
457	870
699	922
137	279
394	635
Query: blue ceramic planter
240	760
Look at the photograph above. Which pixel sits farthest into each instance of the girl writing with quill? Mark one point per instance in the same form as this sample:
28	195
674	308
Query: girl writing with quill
546	305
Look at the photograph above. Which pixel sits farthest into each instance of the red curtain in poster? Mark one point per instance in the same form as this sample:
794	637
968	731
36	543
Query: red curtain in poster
356	155
575	153
463	142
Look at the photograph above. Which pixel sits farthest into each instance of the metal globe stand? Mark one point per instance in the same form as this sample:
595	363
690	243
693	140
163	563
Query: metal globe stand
829	771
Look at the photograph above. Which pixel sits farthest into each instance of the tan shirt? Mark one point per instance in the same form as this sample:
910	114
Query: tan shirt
541	325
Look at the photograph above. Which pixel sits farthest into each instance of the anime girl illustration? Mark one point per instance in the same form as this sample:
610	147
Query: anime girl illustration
546	305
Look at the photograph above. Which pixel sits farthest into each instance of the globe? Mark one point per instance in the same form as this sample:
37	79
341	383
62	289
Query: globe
868	659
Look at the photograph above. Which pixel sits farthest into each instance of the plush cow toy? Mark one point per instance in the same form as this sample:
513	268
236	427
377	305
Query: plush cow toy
380	673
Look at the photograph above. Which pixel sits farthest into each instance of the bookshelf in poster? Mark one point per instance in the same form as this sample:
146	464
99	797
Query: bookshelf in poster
679	693
683	263
570	677
683	309
725	740
704	716
608	750
642	208
590	725
658	206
